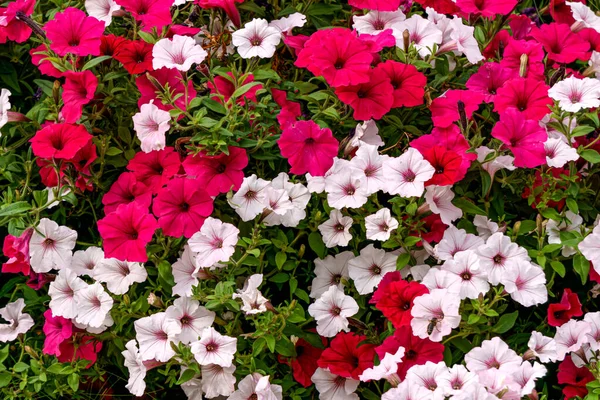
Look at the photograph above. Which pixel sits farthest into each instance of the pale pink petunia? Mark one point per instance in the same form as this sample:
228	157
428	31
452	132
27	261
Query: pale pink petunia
256	39
387	368
215	242
151	124
438	308
380	225
179	52
500	255
472	277
428	376
191	317
455	240
253	300
542	347
423	34
485	227
137	370
214	348
573	93
256	386
102	9
336	230
250	199
331	311
375	22
439	199
407	174
51	246
119	275
369	268
334	387
558	153
331	271
492	354
155	334
570	337
345	190
526	284
62	293
94	305
217	380
84	261
17	322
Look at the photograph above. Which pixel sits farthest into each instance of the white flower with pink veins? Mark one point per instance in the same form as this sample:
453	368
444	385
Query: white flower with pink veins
51	246
215	242
18	322
573	93
332	310
256	39
375	22
493	354
214	348
435	314
334	387
155	335
151	124
179	52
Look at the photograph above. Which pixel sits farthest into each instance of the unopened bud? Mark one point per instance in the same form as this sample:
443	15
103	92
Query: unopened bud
301	251
528	355
31	352
463	114
154	300
56	92
14	116
516	228
533	395
523	67
155	82
406	39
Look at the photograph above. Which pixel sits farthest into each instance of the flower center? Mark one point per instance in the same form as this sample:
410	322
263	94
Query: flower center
335	279
336	310
250	195
375	269
256	41
221	168
466	276
379	25
309	141
184	207
411	354
339	64
361	94
339	227
409	176
212	347
48	243
498	259
185	320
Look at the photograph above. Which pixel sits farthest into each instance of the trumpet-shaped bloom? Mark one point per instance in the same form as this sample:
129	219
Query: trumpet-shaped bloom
155	335
73	32
151	124
179	52
51	246
214	348
256	39
573	93
214	242
331	311
407	174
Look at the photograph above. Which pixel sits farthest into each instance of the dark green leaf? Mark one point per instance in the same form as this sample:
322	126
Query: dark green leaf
506	322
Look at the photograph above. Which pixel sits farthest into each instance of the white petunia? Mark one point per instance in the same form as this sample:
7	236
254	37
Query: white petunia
185	272
526	284
455	240
368	269
336	230
375	22
253	300
102	10
256	39
472	278
62	293
84	261
406	175
119	275
573	93
137	370
217	381
256	386
179	52
214	348
558	153
492	354
94	305
334	387
331	271
345	189
368	164
215	242
380	225
191	317
331	311
500	255
542	347
18	321
435	314
155	335
250	200
422	33
286	24
386	368
151	124
485	227
439	199
51	246
4	106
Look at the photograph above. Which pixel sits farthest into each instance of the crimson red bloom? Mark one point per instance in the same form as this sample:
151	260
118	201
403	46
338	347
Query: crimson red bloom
488	79
527	96
135	55
78	90
417	351
346	357
225	87
591	36
308	148
82	162
381	288
126	232
151	13
370	100
338	55
39	58
125	190
80	347
156	168
17	251
57	330
561	12
111	44
430	228
535	58
575	379
182	206
487	8
444	109
447	165
521	26
560	43
59	141
569	307
408	83
379	5
396	300
12	28
226	5
500	41
304	364
290	110
441	6
524	137
220	173
164	77
73	32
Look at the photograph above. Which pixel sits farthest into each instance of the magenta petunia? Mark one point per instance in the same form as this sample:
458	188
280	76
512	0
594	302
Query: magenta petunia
226	5
372	99
524	137
444	109
59	141
219	173
125	190
379	5
182	206
165	77
13	28
73	32
156	168
408	83
487	8
488	79
515	50
78	90
126	232
57	330
308	148
560	43
528	96
150	13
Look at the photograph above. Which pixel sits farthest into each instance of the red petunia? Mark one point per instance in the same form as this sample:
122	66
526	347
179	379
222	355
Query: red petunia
182	30
499	42
290	110
78	90
569	307
80	347
156	168
396	300
535	58
488	79
165	77
220	173
431	229
17	251
13	28
562	45
346	357
446	163
417	351
73	32
562	12
524	137
111	44
440	6
338	55
444	109
151	13
82	161
59	141
125	190
408	83
575	379
379	5
182	206
304	364
370	100
225	87
226	5
527	96
308	148
487	8
135	55
126	232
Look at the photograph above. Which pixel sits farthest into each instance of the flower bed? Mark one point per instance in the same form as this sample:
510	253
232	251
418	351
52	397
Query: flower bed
372	199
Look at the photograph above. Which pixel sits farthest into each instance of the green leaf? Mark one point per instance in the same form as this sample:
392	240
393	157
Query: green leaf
266	74
559	268
572	205
582	266
315	241
5	378
187	375
244	89
280	259
281	277
549	248
95	61
20	367
214	106
147	37
468	207
402	260
271	342
113	151
591	156
506	322
582	130
15	208
73	381
473	319
410	241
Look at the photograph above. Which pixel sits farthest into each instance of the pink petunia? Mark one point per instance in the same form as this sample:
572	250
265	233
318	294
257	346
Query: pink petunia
125	190
528	96
370	100
560	43
487	8
59	141
445	111
156	168
290	110
535	58
379	5
126	232
524	137
78	90
150	13
408	83
308	148
57	330
17	251
13	28
73	32
182	206
488	79
226	5
219	173
165	77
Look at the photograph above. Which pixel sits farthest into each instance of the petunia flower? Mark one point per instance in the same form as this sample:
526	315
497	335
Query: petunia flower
253	300
257	386
227	5
421	32
472	276
331	271
500	255
62	293
492	354
513	59
331	311
215	242
380	225
219	173
369	165
17	251
185	273
59	141
155	334
396	300
126	232
298	196
573	93
370	100
181	207
156	168
496	164
57	330
568	307
457	380
51	246
526	283
407	174
445	109
191	317
18	322
94	304
214	348
135	56
150	13
308	148
102	10
126	189
455	240
439	199
250	200
137	370
488	79
369	268
526	96
462	41
408	83
151	124
345	190
73	32
256	39
179	52
119	275
217	380
387	368
428	376
331	386
562	45
438	308
407	390
336	230
485	227
78	90
13	28
574	379
149	90
286	24
487	8
345	357
375	22
558	153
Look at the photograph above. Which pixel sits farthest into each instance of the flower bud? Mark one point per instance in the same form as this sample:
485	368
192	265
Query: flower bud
406	38
523	67
155	301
